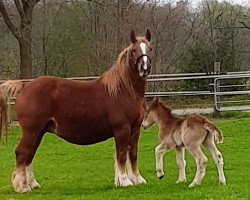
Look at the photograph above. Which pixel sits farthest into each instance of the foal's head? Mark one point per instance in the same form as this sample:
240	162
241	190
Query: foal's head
140	52
155	112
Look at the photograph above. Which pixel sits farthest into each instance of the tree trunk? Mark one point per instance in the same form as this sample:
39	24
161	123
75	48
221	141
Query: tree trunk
22	33
25	59
25	45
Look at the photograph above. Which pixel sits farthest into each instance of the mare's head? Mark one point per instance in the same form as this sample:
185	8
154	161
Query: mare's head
155	111
140	53
133	61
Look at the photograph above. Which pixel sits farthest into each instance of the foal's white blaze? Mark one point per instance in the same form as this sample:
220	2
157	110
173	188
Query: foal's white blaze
145	58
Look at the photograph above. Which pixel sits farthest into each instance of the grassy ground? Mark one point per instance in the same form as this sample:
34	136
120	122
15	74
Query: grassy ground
67	171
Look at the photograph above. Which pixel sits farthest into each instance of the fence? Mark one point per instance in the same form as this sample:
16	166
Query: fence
245	90
216	90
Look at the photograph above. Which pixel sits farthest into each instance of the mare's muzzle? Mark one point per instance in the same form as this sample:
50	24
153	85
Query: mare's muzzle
142	70
145	72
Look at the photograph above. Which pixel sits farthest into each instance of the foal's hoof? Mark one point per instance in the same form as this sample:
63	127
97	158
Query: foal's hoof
180	181
193	185
223	183
161	177
160	174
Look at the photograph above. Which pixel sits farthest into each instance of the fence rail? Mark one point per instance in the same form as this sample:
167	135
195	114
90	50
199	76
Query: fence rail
216	88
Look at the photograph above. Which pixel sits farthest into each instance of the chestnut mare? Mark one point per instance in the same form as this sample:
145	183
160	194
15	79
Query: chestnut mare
190	133
83	113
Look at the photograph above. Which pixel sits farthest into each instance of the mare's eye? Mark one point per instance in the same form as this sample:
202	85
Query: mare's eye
150	48
134	50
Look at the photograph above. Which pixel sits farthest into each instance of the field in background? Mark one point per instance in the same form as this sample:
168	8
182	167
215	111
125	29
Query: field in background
68	172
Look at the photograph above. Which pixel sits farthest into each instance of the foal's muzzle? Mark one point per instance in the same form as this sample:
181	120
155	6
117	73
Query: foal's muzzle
144	127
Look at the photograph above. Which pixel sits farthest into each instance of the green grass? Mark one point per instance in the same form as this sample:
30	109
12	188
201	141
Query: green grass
66	171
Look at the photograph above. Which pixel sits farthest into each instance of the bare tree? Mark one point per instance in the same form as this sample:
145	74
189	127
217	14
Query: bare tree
22	32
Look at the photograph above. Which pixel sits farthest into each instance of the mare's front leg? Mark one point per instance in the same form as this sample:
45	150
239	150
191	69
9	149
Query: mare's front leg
121	135
132	169
23	180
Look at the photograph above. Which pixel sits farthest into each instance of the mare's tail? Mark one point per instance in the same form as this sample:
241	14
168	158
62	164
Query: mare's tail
7	89
218	136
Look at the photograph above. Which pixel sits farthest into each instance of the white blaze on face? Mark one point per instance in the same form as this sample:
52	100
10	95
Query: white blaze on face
145	58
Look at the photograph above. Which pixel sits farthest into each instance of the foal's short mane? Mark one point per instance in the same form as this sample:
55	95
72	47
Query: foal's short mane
165	108
119	75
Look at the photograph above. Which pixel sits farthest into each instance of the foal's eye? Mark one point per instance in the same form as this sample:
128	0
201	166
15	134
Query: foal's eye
134	50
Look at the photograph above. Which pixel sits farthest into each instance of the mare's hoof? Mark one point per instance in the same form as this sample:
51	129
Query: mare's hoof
34	185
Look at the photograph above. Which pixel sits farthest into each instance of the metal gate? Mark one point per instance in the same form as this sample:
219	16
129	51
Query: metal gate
232	85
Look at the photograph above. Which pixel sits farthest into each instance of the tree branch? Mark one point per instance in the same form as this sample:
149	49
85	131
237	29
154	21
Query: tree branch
33	2
245	26
19	9
7	20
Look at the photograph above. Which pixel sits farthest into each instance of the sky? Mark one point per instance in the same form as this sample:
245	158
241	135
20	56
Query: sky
240	2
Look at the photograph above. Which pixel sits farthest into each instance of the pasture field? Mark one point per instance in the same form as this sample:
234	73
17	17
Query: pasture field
67	171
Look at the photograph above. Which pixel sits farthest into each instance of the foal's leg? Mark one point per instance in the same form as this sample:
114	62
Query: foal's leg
159	151
121	140
132	169
217	157
181	163
201	161
23	178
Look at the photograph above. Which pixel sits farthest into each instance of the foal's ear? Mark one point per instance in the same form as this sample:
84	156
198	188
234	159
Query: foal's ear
132	37
155	102
148	35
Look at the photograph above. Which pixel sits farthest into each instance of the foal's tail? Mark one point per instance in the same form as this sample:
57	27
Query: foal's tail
7	89
218	136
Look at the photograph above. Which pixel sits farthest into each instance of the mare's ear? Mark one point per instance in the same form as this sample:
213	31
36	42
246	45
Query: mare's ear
132	37
148	35
154	102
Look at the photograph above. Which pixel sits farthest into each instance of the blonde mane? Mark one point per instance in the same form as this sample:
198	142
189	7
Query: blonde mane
118	75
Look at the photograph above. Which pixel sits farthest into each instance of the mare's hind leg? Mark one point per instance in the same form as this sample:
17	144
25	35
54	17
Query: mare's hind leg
121	136
132	169
23	178
217	157
201	161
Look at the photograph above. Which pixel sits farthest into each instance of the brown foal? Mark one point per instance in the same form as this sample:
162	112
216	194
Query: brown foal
191	133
